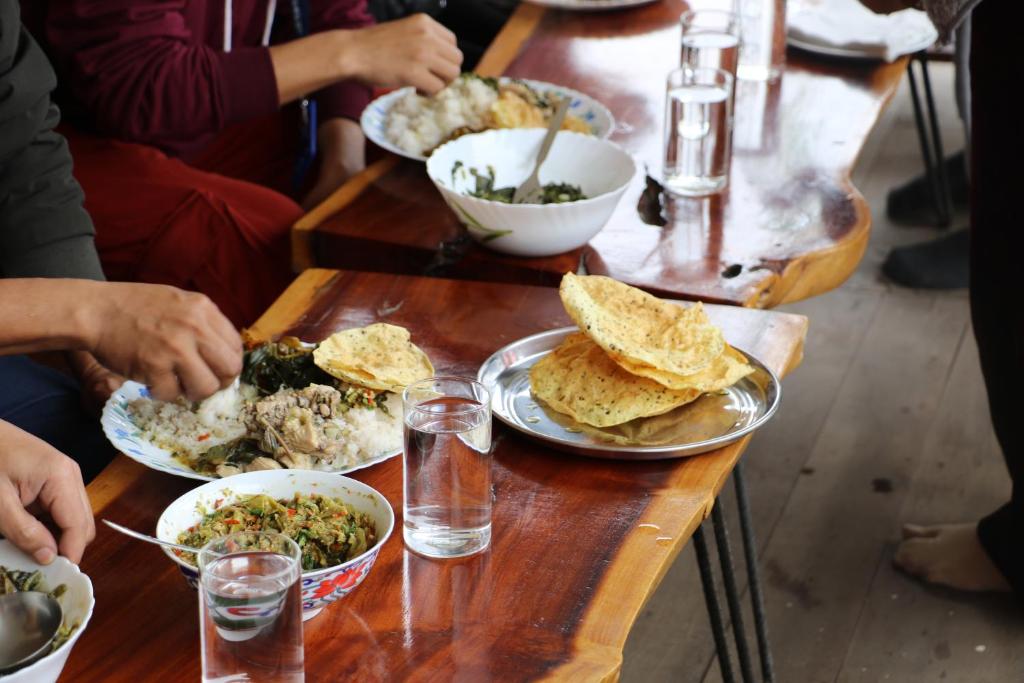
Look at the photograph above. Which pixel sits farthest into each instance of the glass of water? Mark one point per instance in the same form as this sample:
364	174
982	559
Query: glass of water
447	473
710	38
698	131
250	609
763	33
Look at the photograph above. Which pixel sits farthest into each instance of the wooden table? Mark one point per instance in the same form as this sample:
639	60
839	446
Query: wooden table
791	225
578	544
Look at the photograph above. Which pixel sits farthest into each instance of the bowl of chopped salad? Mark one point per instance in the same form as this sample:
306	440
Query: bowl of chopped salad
583	178
339	524
72	589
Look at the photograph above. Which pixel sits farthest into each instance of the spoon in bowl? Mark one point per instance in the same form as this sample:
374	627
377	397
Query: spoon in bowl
29	621
531	186
149	539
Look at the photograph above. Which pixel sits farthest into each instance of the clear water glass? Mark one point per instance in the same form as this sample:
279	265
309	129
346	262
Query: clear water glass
698	131
762	39
447	474
710	38
250	609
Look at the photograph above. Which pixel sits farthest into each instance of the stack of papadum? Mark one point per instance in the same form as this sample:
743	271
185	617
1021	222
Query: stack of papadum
635	355
379	356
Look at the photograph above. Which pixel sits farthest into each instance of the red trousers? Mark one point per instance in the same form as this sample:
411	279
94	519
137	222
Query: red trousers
218	224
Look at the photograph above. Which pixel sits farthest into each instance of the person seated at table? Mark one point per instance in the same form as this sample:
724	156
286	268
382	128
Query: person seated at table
987	555
187	130
53	298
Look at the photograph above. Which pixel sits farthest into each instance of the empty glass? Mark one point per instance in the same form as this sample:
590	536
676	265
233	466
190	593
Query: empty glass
762	39
698	131
250	609
447	473
710	38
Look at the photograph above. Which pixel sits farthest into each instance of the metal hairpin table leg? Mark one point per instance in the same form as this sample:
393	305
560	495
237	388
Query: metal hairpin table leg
934	162
707	581
732	594
753	575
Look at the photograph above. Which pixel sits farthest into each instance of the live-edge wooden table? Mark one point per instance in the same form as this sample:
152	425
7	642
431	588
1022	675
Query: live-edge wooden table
578	544
791	224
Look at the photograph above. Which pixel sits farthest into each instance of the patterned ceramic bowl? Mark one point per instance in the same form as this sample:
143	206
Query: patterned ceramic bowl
77	603
320	587
601	169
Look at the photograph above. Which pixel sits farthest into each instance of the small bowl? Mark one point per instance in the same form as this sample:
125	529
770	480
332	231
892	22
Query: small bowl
77	603
320	587
600	168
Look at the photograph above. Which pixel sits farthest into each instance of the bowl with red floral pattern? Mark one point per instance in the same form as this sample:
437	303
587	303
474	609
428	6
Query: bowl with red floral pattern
320	586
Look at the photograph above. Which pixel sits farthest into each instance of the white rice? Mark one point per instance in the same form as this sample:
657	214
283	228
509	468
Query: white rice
418	124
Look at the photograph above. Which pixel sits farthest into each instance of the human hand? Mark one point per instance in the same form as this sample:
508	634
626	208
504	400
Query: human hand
96	381
416	51
889	6
342	155
176	342
32	471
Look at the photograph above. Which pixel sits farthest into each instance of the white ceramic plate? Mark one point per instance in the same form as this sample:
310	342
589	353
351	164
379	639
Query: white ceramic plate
588	5
848	53
122	431
375	116
77	603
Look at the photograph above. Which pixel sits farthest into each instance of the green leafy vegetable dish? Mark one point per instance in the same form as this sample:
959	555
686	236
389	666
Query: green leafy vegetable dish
551	193
14	581
328	531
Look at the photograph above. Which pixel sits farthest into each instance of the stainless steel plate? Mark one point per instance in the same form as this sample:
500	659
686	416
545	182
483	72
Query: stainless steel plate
710	422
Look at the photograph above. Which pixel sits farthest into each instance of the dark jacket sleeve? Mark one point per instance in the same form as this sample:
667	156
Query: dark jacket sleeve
348	98
44	231
142	77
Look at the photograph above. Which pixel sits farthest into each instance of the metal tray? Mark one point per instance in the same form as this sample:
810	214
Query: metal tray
710	422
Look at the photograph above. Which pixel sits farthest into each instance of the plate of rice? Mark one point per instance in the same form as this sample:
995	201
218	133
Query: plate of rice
413	126
329	407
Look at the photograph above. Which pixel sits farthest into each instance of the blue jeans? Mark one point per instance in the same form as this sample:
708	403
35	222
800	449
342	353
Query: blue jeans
46	403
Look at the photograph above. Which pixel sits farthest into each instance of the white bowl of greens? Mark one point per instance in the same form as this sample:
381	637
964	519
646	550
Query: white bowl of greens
583	178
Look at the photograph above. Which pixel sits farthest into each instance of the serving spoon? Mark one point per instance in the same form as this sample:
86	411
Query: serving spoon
29	621
149	539
531	185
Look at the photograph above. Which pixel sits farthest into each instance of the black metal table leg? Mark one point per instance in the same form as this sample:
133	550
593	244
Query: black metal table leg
732	594
753	575
934	161
707	581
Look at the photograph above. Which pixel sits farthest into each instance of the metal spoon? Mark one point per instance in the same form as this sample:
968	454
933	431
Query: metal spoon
29	621
149	539
531	185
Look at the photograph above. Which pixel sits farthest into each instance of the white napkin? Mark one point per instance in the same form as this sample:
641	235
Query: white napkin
848	25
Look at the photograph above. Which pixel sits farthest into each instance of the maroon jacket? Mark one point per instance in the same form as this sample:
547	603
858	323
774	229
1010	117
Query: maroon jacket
172	73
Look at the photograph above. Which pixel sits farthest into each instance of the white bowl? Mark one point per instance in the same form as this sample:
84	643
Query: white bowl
600	168
77	603
320	587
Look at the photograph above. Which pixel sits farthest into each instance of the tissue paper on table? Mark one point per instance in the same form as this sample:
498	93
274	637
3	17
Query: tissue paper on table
848	26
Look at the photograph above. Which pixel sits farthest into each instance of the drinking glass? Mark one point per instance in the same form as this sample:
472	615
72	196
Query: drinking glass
447	474
710	38
250	609
762	39
698	131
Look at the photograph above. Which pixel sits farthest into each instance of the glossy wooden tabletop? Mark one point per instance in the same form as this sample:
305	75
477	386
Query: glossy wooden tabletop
578	544
790	226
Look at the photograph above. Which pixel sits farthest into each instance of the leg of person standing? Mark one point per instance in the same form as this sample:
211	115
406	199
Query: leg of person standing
989	555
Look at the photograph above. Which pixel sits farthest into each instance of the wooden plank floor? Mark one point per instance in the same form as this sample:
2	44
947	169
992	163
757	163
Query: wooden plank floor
886	421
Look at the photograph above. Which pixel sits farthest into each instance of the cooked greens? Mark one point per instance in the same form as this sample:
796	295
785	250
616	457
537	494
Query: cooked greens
551	193
328	531
14	581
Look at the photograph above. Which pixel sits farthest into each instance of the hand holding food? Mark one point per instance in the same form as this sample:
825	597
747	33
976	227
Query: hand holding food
32	471
176	342
416	51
